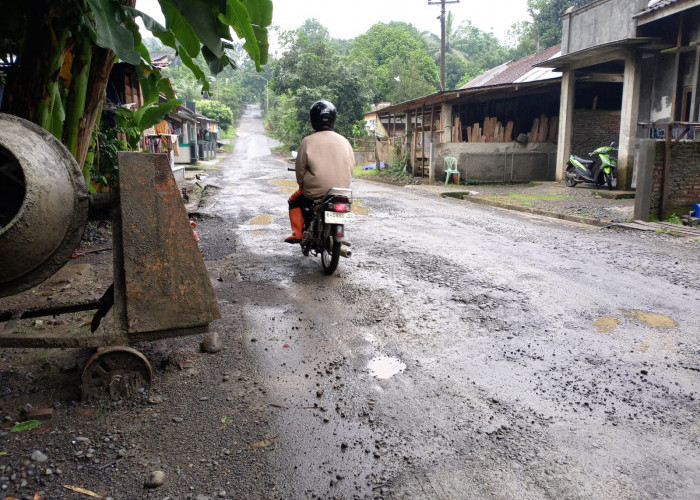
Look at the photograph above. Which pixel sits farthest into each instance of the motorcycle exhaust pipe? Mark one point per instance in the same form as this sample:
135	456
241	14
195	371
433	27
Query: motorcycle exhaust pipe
345	252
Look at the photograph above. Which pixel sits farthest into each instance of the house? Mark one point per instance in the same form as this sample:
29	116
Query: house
373	123
502	126
654	47
207	135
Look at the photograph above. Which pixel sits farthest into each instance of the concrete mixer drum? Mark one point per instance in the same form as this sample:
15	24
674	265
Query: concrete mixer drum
43	205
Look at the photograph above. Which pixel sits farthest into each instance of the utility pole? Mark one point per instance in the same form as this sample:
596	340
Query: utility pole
442	38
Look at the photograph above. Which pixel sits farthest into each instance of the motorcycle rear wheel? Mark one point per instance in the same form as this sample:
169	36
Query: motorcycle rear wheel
330	255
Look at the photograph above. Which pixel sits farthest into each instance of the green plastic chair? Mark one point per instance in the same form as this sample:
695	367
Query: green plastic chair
450	169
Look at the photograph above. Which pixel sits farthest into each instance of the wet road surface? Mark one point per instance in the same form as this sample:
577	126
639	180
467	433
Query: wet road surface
463	351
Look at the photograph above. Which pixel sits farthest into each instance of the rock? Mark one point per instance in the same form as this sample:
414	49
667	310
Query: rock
155	479
38	456
212	343
155	399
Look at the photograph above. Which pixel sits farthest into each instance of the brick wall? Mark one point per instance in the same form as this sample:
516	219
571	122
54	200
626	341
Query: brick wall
594	128
684	175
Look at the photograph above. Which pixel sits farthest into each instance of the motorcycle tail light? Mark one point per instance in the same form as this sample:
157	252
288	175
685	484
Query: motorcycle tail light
340	207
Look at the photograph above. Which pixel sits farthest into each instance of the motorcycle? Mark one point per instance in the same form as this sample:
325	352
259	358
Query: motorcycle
324	228
323	232
598	171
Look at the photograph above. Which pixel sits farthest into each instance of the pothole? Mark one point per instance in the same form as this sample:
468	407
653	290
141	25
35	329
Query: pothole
652	320
606	324
261	220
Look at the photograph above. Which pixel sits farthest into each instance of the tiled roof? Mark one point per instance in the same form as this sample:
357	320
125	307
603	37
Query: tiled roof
519	71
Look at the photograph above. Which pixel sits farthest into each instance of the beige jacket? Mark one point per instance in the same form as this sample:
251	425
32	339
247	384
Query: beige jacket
325	160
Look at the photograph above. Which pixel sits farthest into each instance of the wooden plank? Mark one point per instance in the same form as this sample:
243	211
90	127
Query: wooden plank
674	229
469	134
532	136
553	129
544	129
509	131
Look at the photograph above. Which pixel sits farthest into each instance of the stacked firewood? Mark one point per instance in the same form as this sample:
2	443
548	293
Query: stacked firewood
543	129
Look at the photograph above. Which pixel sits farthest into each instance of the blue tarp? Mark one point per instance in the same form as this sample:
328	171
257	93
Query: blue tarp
373	166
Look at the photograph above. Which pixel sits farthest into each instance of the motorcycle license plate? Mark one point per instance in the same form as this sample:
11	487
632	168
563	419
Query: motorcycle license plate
338	217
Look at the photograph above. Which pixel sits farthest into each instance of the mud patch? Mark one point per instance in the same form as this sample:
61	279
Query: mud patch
285	185
358	209
261	220
652	320
606	324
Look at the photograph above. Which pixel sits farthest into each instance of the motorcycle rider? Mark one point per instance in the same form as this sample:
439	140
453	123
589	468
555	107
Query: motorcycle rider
325	160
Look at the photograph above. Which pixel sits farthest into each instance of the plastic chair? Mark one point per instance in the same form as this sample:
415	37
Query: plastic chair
450	169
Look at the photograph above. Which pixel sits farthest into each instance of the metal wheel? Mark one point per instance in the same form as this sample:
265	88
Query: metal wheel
330	255
115	373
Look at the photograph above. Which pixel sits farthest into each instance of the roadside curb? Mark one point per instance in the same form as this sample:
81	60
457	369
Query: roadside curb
535	211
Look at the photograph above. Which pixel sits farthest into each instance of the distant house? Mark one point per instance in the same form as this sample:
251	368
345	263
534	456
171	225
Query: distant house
160	59
207	135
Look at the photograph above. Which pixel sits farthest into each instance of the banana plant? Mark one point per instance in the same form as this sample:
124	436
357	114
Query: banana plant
56	55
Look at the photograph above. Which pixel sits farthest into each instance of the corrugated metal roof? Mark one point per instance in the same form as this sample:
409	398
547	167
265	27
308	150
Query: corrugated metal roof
520	71
658	4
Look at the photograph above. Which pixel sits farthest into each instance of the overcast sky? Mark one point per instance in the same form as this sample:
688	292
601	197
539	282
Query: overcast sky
347	19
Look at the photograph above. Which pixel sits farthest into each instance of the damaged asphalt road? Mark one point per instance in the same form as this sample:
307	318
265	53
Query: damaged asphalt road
462	352
542	359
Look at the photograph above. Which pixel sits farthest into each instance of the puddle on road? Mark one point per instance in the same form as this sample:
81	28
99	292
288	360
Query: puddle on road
261	220
385	367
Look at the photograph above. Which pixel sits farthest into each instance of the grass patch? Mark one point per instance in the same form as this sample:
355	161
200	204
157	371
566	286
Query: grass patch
359	172
529	199
674	219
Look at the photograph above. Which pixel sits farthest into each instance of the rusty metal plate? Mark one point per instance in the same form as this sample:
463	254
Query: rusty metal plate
167	285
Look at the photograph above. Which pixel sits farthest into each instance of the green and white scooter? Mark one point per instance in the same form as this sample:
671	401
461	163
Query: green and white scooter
598	171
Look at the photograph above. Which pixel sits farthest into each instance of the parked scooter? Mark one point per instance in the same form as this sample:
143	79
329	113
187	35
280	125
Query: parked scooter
600	170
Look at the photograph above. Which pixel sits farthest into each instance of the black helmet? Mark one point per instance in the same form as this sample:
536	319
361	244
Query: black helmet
322	115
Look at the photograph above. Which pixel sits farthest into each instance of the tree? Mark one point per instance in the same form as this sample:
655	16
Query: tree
468	51
544	30
396	50
62	51
312	68
216	111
